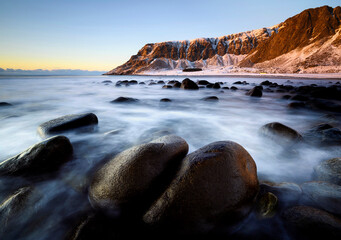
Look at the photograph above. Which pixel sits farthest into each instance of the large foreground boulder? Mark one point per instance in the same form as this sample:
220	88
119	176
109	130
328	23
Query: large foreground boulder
280	133
329	171
67	122
41	158
311	223
189	84
131	175
218	181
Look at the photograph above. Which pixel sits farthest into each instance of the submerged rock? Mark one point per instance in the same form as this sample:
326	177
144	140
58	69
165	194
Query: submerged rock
211	99
41	158
280	133
308	223
323	195
167	86
324	135
218	181
5	104
329	171
203	82
67	122
189	84
131	176
124	100
165	100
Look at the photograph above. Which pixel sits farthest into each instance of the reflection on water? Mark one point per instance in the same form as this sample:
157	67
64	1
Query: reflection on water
235	117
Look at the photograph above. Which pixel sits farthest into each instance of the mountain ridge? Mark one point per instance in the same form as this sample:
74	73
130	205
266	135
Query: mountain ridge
259	49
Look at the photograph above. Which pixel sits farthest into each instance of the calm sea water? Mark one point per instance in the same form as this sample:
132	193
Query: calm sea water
235	117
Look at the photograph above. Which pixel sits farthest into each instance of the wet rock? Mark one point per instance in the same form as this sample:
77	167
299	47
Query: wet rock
141	83
332	92
319	104
177	85
266	83
238	83
42	158
286	97
67	122
280	133
160	82
299	97
216	85
154	133
165	100
255	92
203	82
329	171
167	86
5	104
233	88
288	193
322	195
129	179
296	105
266	205
218	181
210	99
210	85
225	88
308	223
132	82
124	100
323	135
11	207
107	81
189	84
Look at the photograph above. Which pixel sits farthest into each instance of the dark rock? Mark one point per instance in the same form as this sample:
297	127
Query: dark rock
299	97
177	85
160	82
324	135
42	158
332	92
322	195
273	85
225	88
255	92
211	98
216	85
189	84
329	171
165	100
130	177
124	100
324	105
233	88
308	223
286	97
296	105
5	104
266	83
280	91
67	122
280	133
216	181
267	205
238	83
172	81
167	86
152	83
154	133
203	82
132	82
288	193
107	81
210	85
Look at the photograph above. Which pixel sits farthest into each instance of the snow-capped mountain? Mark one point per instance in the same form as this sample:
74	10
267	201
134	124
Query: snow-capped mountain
309	41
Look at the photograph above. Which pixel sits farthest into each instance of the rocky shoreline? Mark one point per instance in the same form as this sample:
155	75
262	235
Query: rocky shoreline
156	189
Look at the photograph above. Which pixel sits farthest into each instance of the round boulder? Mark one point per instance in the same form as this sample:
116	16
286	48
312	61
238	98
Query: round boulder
217	181
255	92
131	176
189	84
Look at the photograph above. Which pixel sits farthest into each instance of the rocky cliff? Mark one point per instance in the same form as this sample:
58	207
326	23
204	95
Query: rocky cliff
308	40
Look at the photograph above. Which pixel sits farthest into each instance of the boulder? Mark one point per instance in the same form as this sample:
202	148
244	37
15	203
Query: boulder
133	82
216	85
218	181
165	100
308	223
44	157
255	92
5	104
177	84
233	88
323	135
107	81
266	83
329	171
322	195
67	122
280	133
299	97
133	177
210	99
189	84
167	86
203	82
124	100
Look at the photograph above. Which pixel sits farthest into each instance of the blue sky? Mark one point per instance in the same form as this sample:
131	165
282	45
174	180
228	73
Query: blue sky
102	34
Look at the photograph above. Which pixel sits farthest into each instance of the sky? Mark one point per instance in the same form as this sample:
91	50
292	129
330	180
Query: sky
102	34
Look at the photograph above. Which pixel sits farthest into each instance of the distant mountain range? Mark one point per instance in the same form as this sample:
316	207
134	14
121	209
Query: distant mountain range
309	42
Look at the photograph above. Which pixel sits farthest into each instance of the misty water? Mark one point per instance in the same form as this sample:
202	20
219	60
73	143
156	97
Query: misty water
235	117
